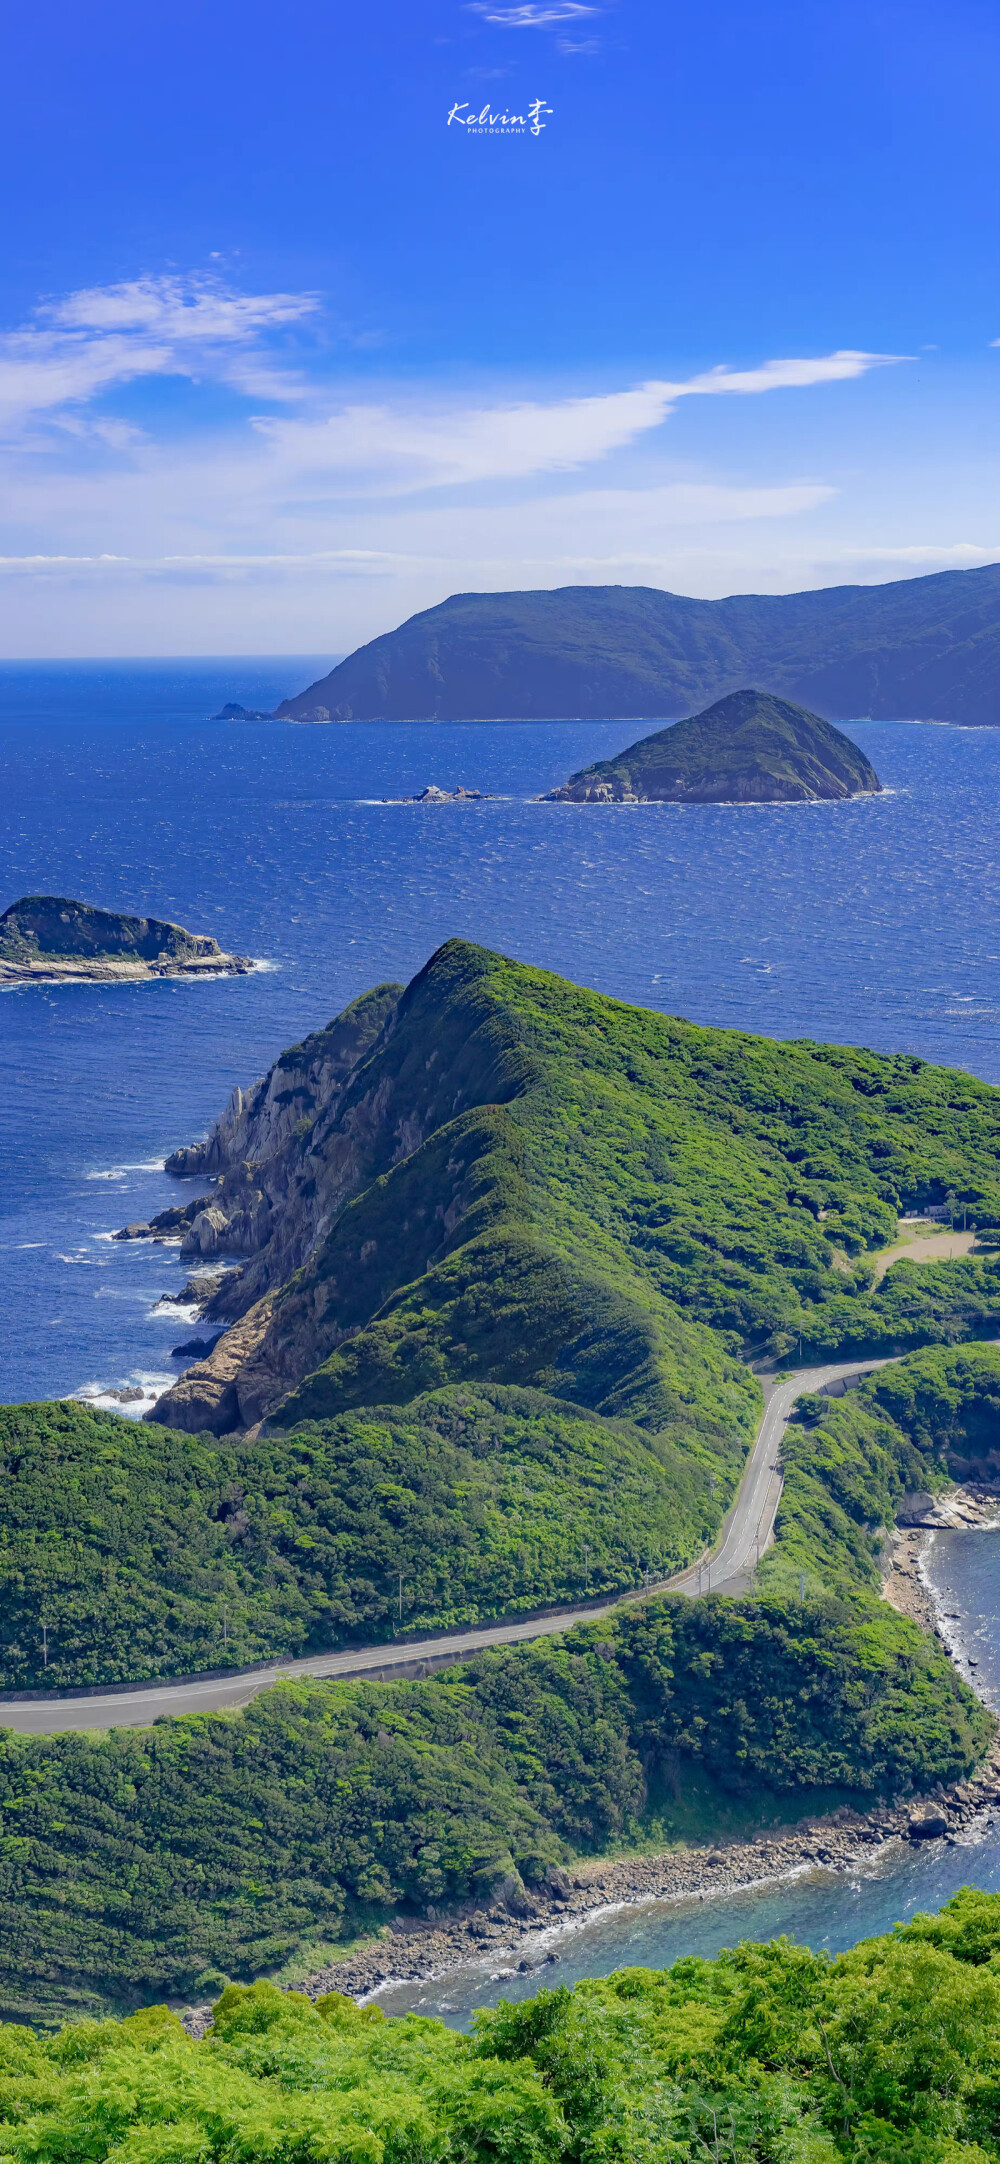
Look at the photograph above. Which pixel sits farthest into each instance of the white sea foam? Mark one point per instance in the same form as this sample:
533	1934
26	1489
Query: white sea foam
99	1395
120	1172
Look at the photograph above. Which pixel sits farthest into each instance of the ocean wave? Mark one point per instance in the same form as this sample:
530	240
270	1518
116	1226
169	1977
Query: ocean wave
121	1172
103	1396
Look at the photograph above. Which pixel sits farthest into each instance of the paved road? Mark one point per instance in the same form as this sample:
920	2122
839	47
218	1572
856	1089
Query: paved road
745	1534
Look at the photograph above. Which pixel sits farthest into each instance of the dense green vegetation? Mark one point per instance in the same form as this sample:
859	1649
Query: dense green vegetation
924	648
623	1210
148	1552
748	748
849	1461
769	2054
137	1864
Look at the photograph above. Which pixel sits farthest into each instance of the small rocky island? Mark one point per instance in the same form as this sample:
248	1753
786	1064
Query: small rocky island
749	748
234	712
434	795
46	937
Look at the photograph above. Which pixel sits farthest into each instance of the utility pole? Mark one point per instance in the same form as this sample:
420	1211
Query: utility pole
400	1596
45	1645
586	1567
225	1624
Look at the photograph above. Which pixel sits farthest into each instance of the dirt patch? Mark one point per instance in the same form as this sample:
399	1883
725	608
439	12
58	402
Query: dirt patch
924	1247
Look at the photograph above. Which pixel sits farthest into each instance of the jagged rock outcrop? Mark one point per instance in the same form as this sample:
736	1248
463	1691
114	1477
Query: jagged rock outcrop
281	1171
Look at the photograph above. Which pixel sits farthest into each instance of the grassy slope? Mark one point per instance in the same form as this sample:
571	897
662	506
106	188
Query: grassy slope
659	1187
617	1180
149	1552
138	1864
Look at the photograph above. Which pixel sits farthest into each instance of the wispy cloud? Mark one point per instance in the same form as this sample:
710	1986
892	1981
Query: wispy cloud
399	449
403	493
83	345
531	14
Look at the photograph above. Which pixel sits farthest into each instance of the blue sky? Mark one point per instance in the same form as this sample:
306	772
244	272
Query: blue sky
284	355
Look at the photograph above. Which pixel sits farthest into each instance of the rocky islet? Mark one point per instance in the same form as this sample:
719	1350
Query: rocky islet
49	937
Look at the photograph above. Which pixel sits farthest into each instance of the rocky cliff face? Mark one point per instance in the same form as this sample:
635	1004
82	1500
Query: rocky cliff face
282	1170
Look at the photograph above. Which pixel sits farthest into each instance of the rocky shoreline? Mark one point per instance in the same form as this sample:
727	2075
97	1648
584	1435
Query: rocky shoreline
111	970
523	1936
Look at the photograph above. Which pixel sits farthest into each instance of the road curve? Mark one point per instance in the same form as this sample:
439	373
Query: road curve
745	1534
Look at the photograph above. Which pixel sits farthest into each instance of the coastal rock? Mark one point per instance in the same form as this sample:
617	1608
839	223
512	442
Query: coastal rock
750	748
927	1826
206	1397
433	795
413	1950
233	712
168	1225
45	936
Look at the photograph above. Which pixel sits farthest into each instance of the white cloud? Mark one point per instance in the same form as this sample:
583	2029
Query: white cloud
178	309
398	450
102	336
399	497
959	553
531	14
840	367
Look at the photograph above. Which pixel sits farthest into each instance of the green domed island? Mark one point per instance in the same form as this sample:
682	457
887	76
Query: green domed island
47	937
749	748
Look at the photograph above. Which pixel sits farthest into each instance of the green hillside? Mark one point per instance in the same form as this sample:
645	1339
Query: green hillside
148	1552
625	1209
921	649
748	748
137	1864
911	1428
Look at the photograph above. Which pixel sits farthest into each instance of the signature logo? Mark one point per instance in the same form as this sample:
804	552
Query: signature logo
530	122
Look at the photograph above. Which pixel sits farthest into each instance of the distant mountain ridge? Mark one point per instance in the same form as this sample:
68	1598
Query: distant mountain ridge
923	649
748	748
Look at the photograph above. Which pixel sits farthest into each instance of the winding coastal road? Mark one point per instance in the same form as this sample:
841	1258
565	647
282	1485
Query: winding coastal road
745	1534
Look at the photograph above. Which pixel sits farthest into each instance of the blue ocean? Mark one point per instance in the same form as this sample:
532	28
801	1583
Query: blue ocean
872	922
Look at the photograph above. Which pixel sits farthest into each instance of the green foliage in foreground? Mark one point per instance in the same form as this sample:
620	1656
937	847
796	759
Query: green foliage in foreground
149	1552
911	1427
887	2054
138	1864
